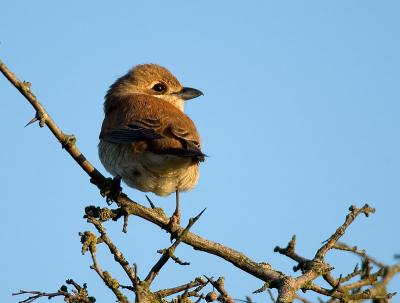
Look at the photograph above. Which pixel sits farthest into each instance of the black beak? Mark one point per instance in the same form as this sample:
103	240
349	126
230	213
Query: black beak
188	93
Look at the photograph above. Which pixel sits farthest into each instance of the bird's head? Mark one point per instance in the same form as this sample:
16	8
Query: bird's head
154	80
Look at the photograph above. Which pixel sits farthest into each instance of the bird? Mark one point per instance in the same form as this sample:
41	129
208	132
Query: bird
146	139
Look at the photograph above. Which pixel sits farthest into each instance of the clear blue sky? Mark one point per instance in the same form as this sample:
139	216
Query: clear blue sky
300	118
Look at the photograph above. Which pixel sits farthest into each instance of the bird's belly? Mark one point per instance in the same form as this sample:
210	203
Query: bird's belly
147	171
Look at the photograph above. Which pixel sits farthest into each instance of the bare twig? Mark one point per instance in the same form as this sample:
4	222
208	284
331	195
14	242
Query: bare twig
89	242
118	256
364	295
170	291
359	252
38	294
78	295
302	299
354	212
289	251
169	253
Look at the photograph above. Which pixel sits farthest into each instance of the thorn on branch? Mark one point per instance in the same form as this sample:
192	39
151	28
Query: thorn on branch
262	288
150	202
40	116
170	254
271	296
33	120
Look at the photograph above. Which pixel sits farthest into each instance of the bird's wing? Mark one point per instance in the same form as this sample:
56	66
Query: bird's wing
190	143
136	130
164	129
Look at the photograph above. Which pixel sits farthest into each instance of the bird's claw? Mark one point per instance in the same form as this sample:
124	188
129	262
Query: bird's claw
111	189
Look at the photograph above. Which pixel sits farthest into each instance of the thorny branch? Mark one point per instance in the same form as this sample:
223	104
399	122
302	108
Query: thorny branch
89	241
169	253
287	286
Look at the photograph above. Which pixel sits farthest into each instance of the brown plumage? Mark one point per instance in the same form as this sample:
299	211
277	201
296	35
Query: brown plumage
146	138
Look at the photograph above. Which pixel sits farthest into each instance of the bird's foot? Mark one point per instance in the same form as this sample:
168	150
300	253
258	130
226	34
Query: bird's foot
111	189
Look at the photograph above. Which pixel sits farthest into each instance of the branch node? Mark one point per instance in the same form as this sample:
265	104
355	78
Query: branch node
68	141
89	242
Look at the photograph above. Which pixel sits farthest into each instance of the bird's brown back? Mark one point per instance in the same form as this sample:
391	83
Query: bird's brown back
175	127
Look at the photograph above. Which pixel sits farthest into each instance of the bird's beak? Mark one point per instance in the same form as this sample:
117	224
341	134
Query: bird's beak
188	93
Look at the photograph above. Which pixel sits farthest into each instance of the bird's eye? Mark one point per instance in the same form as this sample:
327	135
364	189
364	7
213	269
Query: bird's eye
159	87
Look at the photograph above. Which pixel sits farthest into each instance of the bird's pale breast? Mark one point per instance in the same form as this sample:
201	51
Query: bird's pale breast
148	171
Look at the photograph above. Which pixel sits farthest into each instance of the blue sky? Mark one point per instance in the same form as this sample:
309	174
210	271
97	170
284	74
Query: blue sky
299	117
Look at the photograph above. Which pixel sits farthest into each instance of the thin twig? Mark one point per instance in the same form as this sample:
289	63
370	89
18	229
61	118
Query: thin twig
119	257
361	253
39	294
354	212
289	251
110	282
168	253
170	291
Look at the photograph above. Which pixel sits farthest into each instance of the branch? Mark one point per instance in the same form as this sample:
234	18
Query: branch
364	295
118	256
220	287
168	253
67	141
354	212
79	294
89	242
361	253
289	251
170	291
39	294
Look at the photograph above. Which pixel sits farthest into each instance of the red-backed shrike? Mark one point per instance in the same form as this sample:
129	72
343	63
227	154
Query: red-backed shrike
146	138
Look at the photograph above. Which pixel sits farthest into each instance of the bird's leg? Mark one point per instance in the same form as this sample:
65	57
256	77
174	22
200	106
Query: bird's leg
111	189
176	216
177	212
